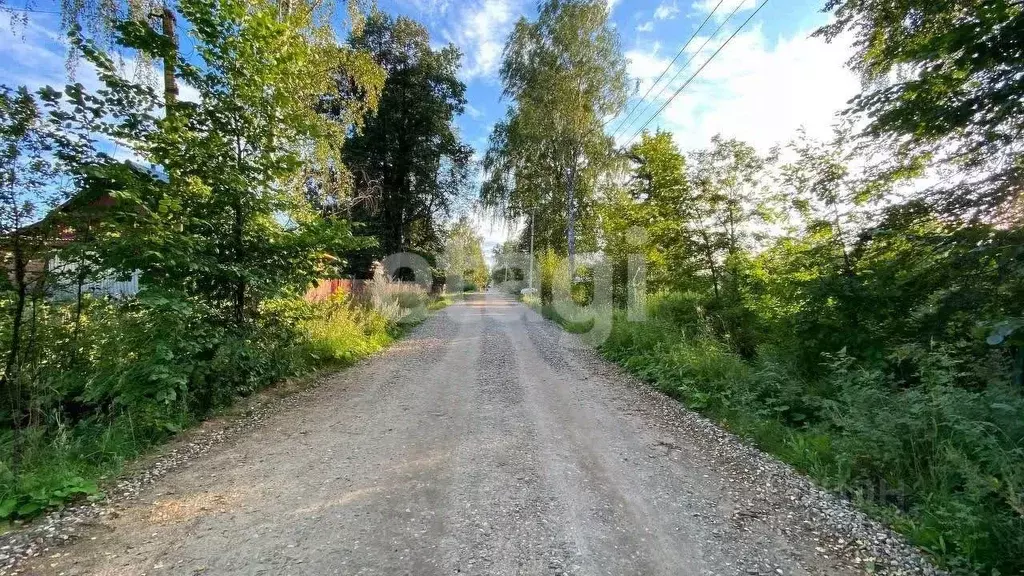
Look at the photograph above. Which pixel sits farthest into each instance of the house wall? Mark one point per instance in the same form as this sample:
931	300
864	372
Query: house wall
105	285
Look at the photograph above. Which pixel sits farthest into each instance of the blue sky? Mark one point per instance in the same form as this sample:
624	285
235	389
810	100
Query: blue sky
770	80
761	87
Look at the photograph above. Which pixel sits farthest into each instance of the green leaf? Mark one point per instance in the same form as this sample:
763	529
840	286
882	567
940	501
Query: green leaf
30	508
7	507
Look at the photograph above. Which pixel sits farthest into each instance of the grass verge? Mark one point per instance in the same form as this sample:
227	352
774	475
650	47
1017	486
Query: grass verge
941	464
70	457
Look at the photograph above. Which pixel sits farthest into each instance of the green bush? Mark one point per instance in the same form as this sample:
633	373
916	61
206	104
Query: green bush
572	322
338	331
439	303
122	376
942	463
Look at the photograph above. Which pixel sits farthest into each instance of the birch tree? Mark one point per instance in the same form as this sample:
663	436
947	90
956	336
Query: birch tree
564	73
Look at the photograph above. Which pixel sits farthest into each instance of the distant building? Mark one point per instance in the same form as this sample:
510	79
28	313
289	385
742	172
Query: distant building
60	227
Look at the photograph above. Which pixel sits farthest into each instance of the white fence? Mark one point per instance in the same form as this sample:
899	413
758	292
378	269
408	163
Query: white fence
104	286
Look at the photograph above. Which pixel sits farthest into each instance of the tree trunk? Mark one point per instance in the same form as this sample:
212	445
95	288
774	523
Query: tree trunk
847	265
570	232
714	275
79	281
239	238
29	355
1018	366
239	297
8	383
170	60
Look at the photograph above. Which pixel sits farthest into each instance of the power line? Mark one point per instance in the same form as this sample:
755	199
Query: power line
687	64
667	68
30	10
690	79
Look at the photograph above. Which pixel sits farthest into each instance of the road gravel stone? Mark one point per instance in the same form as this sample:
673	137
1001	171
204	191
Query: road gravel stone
487	442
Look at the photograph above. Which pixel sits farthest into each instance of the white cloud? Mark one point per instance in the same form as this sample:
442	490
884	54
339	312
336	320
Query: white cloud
646	26
473	112
645	66
429	7
666	11
754	90
493	232
480	30
188	93
727	6
31	54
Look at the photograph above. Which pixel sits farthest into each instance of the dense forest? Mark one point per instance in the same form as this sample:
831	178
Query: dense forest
852	304
144	294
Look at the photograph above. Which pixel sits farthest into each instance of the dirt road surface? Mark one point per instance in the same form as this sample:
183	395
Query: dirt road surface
484	443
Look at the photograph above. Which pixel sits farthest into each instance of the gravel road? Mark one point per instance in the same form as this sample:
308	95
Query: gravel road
487	442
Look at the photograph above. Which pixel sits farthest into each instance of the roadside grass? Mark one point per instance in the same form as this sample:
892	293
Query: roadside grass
572	319
63	460
532	301
575	323
941	464
441	302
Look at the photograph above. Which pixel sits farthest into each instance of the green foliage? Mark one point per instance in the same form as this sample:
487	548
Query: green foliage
221	231
340	332
944	80
127	375
409	164
396	301
862	325
571	321
872	344
940	462
440	303
463	259
643	218
564	73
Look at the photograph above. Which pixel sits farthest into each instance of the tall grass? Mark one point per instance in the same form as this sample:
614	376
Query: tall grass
404	302
128	375
340	331
942	463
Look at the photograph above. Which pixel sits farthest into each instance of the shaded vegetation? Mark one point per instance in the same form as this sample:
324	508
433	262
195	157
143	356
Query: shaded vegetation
823	298
232	207
116	378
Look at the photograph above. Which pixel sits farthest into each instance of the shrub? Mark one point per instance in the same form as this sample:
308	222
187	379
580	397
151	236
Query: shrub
341	332
941	462
121	376
394	300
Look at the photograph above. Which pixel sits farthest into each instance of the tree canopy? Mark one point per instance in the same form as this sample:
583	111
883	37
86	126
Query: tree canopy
564	75
409	163
944	87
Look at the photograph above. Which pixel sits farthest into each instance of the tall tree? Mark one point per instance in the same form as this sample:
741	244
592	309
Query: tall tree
28	182
564	73
944	90
509	262
463	258
655	204
729	197
824	193
409	151
226	220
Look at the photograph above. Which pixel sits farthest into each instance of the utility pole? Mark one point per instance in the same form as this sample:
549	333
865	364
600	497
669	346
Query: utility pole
532	211
170	59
